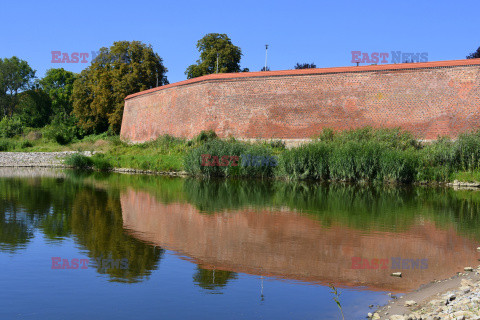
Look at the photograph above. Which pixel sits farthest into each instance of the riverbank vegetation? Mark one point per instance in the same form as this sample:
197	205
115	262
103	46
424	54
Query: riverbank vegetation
361	155
65	111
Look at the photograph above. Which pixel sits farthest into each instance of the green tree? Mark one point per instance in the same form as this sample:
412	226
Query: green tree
58	84
34	108
211	46
474	55
15	77
99	92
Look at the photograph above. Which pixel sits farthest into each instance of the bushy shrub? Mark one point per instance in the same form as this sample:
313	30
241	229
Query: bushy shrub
101	163
26	144
6	145
326	135
277	144
60	133
79	161
10	127
63	130
206	136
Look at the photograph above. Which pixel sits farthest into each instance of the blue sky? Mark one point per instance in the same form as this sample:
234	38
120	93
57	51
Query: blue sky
323	32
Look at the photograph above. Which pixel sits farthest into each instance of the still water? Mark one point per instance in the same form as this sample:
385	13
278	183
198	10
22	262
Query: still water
78	246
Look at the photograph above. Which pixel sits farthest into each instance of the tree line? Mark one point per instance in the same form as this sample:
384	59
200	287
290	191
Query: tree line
68	105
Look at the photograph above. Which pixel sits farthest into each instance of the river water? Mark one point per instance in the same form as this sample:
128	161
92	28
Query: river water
78	245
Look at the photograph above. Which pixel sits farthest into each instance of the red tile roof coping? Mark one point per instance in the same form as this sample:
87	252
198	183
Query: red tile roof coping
296	72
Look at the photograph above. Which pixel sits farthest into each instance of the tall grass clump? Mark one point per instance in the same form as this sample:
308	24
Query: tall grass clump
309	161
78	161
391	138
398	165
438	161
218	148
355	160
356	155
467	151
443	158
100	163
165	144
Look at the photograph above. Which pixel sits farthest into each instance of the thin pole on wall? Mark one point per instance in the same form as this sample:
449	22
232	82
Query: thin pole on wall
266	50
217	61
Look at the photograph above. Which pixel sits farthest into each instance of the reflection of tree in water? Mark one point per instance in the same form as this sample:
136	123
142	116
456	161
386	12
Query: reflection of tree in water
14	233
375	207
61	208
213	280
97	224
22	203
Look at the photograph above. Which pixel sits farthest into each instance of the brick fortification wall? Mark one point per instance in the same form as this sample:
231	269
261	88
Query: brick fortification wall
429	99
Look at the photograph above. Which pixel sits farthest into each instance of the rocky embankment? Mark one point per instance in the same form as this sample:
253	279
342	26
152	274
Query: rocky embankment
35	159
55	159
454	298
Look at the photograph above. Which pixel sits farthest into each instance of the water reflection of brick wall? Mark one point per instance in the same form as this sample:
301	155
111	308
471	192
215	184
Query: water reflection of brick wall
428	99
289	245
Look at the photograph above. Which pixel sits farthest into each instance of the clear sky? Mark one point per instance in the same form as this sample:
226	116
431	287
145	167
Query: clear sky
323	32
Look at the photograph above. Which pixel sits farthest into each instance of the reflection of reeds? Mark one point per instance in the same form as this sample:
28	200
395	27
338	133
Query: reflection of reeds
372	207
336	298
375	207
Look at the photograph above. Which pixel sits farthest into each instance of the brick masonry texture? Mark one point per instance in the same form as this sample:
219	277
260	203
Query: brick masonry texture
428	99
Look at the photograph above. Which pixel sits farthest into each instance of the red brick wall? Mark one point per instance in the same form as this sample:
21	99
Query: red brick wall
428	99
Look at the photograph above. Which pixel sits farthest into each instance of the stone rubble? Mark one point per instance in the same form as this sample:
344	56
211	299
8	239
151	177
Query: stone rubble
35	159
55	160
461	304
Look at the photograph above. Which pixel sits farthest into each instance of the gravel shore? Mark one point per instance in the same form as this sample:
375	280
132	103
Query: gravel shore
454	298
55	160
35	159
